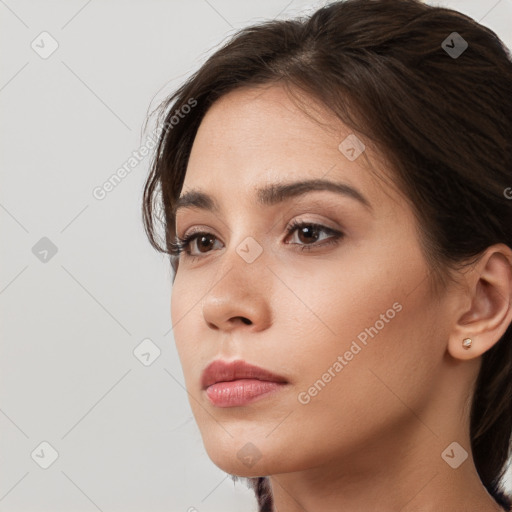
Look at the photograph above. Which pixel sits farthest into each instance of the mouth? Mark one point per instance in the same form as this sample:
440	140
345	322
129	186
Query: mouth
236	383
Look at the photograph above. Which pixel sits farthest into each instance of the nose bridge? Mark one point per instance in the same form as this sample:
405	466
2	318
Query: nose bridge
245	252
242	268
240	288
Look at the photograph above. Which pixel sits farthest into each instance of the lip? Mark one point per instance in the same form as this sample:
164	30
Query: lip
226	371
237	383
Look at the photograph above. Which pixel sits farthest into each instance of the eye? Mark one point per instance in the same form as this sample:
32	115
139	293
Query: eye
306	231
202	240
309	232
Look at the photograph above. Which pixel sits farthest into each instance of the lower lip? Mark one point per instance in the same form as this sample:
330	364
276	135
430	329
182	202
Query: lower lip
240	392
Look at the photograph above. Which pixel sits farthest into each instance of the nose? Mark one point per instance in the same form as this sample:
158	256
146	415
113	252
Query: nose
240	296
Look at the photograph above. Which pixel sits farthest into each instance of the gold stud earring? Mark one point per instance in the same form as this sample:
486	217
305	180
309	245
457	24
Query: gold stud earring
467	343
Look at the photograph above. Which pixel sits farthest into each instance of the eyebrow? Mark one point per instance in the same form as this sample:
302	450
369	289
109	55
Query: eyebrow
273	194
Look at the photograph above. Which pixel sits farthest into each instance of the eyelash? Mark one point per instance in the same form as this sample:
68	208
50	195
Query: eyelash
182	245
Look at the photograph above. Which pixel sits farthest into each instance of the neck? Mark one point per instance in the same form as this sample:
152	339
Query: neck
399	472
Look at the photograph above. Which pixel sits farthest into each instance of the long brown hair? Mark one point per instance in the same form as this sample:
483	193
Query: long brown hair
399	73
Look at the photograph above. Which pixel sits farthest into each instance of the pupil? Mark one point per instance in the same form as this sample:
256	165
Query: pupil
311	233
202	244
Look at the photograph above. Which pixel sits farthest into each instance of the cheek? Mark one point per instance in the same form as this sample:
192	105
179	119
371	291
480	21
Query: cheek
376	319
186	326
338	298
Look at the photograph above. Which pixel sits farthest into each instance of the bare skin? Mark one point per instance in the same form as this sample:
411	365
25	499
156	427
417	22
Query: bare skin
372	437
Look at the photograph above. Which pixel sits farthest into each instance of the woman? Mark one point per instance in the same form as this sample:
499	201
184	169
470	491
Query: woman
337	203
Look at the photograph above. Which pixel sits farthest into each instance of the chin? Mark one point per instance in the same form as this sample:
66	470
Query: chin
243	458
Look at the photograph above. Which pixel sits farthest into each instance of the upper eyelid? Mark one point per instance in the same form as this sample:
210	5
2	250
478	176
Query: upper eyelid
196	230
192	234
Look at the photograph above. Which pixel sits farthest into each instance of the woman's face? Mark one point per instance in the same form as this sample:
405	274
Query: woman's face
347	320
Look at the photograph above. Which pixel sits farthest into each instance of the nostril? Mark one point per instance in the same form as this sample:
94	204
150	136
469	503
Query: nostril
246	320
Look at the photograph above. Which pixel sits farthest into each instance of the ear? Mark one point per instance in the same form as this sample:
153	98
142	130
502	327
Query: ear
486	311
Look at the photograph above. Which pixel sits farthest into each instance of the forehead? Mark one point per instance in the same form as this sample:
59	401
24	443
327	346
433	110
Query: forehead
253	137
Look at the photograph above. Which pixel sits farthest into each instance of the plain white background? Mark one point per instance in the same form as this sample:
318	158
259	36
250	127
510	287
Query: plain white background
80	287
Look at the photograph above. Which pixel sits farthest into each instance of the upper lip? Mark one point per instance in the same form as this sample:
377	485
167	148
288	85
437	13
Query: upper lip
222	371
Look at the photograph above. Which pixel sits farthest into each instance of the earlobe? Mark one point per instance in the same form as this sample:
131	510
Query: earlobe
482	324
